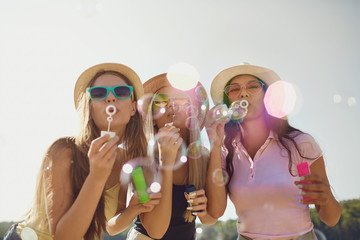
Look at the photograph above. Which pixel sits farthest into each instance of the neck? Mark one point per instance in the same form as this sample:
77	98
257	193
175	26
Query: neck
254	131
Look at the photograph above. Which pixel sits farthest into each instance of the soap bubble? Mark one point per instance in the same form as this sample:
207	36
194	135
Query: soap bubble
147	108
153	151
220	177
148	169
28	234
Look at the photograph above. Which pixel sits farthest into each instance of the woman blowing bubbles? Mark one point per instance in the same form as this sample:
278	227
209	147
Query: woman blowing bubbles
78	187
260	155
178	117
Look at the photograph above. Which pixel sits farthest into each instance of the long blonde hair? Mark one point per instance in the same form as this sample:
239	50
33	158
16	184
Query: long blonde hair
197	167
133	139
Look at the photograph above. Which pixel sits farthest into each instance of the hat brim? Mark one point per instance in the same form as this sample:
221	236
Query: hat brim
218	84
84	79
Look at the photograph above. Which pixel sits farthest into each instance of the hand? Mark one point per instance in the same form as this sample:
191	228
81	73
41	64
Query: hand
215	127
316	188
147	206
169	143
102	155
197	201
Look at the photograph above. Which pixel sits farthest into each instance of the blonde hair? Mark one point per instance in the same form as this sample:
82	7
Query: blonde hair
197	167
133	139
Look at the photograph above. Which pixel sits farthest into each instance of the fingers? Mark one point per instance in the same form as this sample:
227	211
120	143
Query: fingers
197	202
313	178
149	205
314	189
169	135
155	196
102	145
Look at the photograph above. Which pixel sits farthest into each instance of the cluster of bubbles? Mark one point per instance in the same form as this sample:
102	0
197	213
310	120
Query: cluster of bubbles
351	101
237	111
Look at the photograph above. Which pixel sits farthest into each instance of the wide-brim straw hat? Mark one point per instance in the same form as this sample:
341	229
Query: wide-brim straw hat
160	81
218	84
84	79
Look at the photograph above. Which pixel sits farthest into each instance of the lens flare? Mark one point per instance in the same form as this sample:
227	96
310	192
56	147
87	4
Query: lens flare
199	230
127	168
280	99
351	101
337	98
155	187
183	76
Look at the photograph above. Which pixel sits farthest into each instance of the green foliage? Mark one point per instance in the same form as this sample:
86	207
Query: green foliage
348	226
4	226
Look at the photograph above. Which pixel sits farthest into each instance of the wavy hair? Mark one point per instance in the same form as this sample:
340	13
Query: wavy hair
285	132
133	139
197	167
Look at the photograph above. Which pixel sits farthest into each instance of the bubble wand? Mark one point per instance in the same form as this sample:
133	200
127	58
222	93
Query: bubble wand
110	110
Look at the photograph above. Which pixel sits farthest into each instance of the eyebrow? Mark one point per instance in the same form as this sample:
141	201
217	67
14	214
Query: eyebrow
245	83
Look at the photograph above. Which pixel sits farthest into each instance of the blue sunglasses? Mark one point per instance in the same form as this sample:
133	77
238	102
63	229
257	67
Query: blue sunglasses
121	92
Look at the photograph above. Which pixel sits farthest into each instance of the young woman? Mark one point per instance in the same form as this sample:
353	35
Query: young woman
181	119
78	187
260	156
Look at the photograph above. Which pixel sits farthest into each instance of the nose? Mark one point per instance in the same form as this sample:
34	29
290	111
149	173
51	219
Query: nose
110	98
243	93
172	105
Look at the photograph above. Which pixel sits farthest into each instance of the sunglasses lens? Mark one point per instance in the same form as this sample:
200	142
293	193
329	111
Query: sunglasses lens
232	90
253	87
122	92
161	100
98	93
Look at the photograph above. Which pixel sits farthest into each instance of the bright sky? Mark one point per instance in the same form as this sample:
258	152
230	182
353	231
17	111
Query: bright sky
45	45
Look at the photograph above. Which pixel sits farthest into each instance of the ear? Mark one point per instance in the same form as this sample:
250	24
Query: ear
133	108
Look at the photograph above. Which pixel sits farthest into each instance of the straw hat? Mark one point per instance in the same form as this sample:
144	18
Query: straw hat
84	79
218	84
156	83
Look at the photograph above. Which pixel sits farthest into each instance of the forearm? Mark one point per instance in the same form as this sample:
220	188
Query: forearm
208	219
122	221
157	221
329	213
76	221
215	192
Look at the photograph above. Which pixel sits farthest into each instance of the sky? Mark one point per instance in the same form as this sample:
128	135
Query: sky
45	45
